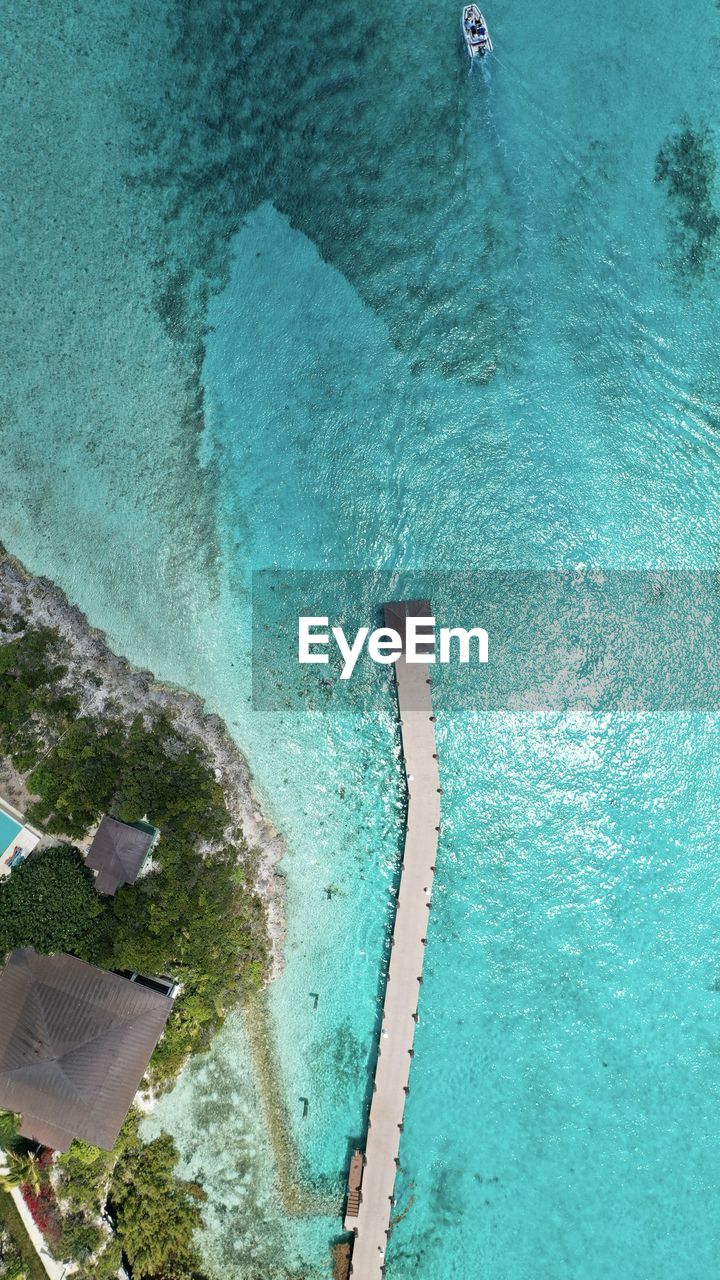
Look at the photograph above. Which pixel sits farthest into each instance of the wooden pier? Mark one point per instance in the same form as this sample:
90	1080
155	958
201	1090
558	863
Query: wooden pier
372	1180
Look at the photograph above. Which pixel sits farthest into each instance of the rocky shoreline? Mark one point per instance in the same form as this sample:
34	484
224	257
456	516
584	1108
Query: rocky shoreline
109	685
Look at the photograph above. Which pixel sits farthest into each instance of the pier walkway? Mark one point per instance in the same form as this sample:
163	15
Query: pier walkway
370	1222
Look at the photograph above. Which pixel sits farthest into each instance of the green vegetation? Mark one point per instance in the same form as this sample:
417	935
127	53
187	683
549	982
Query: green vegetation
100	765
21	1165
198	921
11	1263
146	768
20	1169
8	1130
155	1214
18	1259
31	703
84	1174
194	917
50	903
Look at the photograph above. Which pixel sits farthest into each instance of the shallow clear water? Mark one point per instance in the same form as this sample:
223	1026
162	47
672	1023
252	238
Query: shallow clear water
438	320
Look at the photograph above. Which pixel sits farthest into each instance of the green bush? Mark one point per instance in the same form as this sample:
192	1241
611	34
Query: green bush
99	765
80	1238
31	703
196	919
78	779
156	1213
49	902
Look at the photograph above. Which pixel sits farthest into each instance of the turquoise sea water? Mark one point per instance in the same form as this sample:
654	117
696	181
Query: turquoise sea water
351	306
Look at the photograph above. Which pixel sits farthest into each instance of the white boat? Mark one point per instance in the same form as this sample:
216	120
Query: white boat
475	31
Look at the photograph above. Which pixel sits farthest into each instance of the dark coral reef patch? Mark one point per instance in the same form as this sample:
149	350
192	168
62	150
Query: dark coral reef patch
687	166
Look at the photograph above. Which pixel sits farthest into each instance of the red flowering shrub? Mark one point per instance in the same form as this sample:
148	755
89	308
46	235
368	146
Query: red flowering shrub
44	1211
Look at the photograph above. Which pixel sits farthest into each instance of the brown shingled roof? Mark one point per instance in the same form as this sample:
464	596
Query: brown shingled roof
75	1042
118	854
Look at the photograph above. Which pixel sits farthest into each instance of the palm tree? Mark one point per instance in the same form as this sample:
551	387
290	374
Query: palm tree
20	1164
8	1130
18	1170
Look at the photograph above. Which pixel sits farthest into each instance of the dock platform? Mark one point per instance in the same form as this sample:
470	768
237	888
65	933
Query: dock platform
369	1213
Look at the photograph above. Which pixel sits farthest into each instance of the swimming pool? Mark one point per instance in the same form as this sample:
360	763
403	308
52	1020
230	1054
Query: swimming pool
9	829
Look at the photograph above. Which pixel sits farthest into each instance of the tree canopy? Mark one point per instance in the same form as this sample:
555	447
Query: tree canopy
156	1213
31	700
49	902
100	765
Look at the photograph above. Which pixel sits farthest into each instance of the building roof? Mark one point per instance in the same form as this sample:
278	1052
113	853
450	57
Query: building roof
75	1042
118	854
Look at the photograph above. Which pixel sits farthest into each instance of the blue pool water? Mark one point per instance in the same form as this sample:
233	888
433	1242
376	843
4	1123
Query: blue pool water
9	829
355	307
